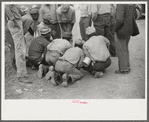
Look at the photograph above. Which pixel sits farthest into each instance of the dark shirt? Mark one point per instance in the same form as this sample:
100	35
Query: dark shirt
37	48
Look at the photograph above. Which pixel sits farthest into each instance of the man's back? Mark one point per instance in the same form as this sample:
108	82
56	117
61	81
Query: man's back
37	47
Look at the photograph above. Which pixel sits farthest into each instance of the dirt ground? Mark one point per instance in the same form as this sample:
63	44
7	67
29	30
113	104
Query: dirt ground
110	86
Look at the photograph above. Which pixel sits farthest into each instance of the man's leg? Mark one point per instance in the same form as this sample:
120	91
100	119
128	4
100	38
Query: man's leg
87	23
82	31
123	53
101	66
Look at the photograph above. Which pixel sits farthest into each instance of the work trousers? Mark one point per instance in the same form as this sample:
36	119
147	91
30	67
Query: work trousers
112	49
102	25
20	49
98	66
84	23
51	57
68	68
122	52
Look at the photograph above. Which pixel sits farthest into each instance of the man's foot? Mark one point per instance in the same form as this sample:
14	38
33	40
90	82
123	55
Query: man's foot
65	79
56	78
122	72
98	74
24	80
40	71
49	74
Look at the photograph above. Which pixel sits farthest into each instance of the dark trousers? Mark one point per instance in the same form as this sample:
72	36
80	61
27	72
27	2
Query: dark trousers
67	27
98	66
55	30
84	23
122	53
112	49
102	25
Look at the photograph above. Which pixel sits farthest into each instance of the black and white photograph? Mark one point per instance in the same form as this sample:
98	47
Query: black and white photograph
74	60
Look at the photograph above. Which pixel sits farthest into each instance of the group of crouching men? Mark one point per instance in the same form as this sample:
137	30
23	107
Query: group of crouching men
59	61
52	50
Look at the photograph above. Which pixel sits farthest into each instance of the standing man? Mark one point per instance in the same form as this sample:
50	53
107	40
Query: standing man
34	12
101	18
125	27
16	29
85	20
50	10
66	17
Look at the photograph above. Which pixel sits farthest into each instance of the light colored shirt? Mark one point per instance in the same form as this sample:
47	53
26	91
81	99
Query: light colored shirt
68	16
101	8
85	10
60	45
50	10
96	48
73	55
12	12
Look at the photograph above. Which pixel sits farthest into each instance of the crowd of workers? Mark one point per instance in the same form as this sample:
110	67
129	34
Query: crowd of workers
42	37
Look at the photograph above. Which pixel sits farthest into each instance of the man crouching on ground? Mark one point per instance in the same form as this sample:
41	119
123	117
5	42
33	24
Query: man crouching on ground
96	50
68	66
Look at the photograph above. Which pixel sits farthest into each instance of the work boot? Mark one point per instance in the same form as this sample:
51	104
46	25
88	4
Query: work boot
70	80
40	71
24	80
65	80
56	78
98	74
49	74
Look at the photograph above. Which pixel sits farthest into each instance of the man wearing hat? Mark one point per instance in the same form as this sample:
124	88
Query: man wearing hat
48	16
66	17
96	49
37	49
34	12
46	22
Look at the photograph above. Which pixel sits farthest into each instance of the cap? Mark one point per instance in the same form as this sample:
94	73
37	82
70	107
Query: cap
23	8
34	11
90	30
65	7
67	35
47	17
45	30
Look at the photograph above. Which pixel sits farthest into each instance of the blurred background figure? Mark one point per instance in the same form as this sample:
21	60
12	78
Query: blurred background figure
66	17
16	29
50	11
85	20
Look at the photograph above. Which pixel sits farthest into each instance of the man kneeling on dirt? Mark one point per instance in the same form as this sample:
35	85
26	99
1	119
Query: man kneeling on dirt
68	67
37	49
96	49
54	50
